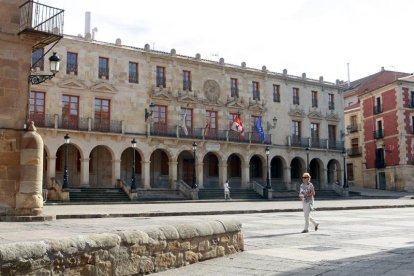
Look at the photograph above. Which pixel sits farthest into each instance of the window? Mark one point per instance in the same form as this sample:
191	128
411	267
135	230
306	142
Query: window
377	107
256	92
211	123
37	59
188	119
411	103
234	87
354	124
161	82
314	98
331	102
70	111
71	63
332	135
186	80
295	95
379	132
314	134
350	171
354	146
276	93
133	72
102	115
37	108
103	67
296	132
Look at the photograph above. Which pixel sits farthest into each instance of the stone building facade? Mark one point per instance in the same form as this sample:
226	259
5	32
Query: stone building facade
21	148
384	112
101	98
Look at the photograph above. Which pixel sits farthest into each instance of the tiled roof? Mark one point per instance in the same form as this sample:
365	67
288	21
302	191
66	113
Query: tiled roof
375	81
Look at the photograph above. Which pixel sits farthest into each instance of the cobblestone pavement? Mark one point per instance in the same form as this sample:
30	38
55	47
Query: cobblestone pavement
349	242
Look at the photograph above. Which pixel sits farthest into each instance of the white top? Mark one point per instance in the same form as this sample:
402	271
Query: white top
226	187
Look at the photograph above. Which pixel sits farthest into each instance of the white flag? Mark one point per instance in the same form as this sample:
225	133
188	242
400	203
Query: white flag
184	123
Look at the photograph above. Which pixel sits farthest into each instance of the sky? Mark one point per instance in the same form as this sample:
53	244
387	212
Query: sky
316	37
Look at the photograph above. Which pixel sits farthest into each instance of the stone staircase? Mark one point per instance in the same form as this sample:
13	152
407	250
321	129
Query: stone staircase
98	195
158	194
211	193
293	195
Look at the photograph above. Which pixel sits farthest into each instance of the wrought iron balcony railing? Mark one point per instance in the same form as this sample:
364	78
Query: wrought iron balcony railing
377	109
41	21
211	134
352	128
354	151
378	134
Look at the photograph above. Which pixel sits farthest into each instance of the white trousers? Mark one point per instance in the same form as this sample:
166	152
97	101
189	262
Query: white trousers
307	212
226	194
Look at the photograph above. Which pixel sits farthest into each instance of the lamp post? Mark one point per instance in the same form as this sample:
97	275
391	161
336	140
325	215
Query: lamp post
194	185
65	170
54	62
134	145
345	182
149	113
307	159
268	186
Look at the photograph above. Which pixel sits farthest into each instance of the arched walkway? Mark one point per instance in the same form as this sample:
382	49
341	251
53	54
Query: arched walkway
334	171
316	170
276	174
73	164
234	170
159	169
256	169
297	168
211	171
100	167
126	167
185	167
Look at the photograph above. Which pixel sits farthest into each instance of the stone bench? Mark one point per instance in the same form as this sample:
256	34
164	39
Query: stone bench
123	252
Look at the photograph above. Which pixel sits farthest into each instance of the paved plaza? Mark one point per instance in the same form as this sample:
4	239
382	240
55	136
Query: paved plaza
356	236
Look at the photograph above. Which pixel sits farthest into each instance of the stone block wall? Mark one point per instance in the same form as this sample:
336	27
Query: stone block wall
124	252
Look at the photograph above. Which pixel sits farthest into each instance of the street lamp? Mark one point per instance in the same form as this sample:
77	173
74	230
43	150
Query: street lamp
345	182
134	145
268	186
65	171
307	159
194	185
54	62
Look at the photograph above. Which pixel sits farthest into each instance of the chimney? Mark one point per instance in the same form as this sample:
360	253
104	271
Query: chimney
87	23
382	69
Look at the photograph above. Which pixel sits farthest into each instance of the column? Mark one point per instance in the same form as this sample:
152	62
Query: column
222	173
245	175
199	172
51	169
172	174
84	177
116	170
146	176
287	178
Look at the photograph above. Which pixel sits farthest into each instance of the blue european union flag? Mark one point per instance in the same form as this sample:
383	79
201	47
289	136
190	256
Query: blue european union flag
259	129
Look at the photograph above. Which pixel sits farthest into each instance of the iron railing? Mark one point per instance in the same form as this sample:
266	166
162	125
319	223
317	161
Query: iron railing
352	128
354	151
377	109
41	18
331	106
378	134
104	125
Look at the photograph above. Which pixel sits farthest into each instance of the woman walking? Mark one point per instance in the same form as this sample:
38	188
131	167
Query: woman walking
306	193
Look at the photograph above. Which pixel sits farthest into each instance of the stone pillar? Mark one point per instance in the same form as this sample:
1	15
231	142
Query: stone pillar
116	170
51	169
199	172
287	178
245	176
84	177
146	176
323	181
172	174
29	200
222	173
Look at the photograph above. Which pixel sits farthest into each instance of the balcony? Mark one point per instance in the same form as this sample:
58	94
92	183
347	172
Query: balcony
378	134
212	134
318	143
41	23
352	128
76	123
354	151
377	109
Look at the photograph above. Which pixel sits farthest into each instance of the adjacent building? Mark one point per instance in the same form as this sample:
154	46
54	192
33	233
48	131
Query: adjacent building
107	94
379	115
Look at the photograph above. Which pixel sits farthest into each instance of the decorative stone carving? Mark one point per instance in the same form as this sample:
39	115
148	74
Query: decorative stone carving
211	90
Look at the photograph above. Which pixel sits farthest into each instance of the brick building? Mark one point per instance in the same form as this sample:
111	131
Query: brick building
381	108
